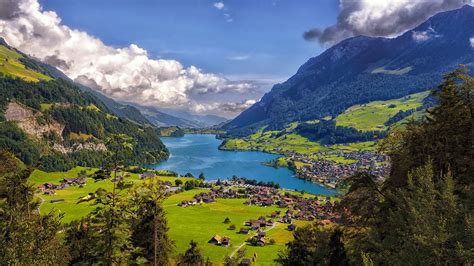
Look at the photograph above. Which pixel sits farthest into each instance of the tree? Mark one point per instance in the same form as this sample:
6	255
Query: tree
235	260
26	237
227	220
201	177
192	256
149	220
178	182
421	225
309	247
111	217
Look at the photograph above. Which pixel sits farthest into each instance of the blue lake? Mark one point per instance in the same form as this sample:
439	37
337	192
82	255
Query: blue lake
197	153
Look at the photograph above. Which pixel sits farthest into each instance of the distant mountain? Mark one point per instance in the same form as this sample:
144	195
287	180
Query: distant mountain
164	117
203	120
161	119
363	69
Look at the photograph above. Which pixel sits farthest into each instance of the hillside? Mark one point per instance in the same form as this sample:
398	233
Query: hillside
50	122
363	69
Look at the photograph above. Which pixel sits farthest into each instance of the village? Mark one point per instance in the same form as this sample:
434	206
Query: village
294	207
330	173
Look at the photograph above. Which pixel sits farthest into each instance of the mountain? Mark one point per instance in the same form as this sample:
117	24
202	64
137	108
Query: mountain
164	117
202	120
51	122
363	69
161	119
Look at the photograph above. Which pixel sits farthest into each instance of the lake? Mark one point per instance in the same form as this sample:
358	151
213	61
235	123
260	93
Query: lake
198	153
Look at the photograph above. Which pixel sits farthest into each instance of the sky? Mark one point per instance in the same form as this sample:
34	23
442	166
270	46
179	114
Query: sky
203	56
260	41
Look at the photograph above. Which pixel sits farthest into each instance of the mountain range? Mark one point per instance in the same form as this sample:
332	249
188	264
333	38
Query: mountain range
363	69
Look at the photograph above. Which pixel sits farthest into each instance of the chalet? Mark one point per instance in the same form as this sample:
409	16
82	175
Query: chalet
225	241
146	175
244	231
261	234
217	239
255	225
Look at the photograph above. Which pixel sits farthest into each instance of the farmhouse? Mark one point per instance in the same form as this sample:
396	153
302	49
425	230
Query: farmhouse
219	240
244	231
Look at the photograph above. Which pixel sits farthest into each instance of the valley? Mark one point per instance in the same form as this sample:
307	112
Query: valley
183	135
199	223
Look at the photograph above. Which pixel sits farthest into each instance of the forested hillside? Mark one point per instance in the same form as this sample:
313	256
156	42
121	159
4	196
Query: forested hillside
51	123
364	69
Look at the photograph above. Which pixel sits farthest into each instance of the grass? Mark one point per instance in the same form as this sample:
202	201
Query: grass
286	141
373	115
11	66
198	223
71	195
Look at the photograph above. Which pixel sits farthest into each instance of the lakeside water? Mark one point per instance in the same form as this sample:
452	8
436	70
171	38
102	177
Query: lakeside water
198	153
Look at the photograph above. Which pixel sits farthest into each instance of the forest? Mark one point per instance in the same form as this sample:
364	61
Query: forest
82	114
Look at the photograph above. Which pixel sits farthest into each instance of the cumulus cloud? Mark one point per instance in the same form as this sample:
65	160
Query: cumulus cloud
126	73
219	5
380	18
471	40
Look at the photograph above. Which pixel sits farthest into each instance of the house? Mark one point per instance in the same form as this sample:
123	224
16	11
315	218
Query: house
217	239
261	234
244	231
225	241
146	175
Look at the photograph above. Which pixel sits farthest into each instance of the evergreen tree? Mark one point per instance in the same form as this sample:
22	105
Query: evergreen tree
192	256
149	225
26	237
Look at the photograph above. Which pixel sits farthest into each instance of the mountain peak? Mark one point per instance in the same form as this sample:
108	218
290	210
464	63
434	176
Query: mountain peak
363	69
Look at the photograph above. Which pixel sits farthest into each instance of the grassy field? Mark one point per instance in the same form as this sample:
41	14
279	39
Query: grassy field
71	195
286	141
198	223
373	115
10	65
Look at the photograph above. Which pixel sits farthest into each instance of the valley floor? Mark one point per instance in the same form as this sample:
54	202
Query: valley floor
199	223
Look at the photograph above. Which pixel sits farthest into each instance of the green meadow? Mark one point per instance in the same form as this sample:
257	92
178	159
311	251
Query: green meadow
199	223
11	66
373	115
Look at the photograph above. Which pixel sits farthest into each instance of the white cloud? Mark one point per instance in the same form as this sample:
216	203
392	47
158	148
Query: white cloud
126	73
388	18
219	5
239	57
228	109
421	36
471	40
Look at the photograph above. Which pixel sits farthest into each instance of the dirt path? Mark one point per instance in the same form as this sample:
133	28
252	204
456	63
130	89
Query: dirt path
243	244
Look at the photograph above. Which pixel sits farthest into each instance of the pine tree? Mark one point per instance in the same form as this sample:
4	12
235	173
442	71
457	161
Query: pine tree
149	220
192	256
26	237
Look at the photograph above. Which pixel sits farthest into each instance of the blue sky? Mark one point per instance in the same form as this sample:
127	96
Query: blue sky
203	56
245	39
